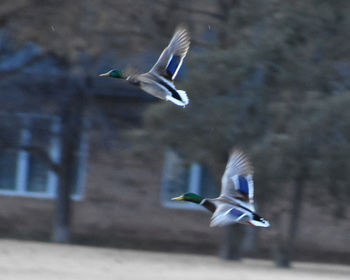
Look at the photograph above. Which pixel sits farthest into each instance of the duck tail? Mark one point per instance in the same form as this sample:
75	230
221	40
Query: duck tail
184	98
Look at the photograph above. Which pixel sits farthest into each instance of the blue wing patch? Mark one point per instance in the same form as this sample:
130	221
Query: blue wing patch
235	212
172	65
243	185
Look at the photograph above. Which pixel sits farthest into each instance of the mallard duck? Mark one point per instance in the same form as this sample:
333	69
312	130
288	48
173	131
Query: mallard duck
235	203
159	80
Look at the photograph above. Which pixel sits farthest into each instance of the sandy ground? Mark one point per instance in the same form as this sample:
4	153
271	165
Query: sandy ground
33	260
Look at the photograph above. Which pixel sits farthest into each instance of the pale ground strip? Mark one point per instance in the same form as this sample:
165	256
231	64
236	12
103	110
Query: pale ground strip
33	260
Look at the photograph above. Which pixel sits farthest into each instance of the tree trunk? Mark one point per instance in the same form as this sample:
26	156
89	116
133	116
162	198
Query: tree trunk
225	8
285	249
61	225
232	241
72	126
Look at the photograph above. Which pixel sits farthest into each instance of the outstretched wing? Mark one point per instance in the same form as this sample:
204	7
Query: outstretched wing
225	214
237	180
170	61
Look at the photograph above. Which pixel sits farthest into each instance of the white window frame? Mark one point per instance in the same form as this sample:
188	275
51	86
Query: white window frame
22	167
193	185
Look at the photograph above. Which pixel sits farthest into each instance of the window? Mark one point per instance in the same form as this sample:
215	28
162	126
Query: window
24	172
180	177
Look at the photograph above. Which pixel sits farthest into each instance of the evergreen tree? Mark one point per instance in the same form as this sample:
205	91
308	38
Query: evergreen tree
270	87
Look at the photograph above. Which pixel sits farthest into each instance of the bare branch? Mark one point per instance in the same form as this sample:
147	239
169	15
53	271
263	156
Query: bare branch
35	149
44	155
19	68
196	11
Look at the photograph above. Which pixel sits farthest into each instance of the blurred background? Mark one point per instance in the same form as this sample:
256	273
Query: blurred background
89	160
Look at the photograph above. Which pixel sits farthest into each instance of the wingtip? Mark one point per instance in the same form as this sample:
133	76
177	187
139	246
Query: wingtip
181	26
240	156
183	31
236	150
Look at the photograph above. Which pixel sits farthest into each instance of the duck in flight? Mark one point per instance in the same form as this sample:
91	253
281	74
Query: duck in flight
159	80
236	201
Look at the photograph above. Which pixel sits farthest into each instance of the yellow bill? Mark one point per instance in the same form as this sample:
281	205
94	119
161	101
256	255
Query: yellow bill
181	197
104	74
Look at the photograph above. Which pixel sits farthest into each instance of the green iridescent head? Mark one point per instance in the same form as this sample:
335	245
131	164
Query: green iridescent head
192	197
114	73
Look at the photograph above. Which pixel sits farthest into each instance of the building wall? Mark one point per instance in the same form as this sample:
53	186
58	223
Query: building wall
122	204
121	207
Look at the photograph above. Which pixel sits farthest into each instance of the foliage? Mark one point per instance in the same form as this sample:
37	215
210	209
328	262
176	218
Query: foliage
91	27
271	87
